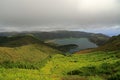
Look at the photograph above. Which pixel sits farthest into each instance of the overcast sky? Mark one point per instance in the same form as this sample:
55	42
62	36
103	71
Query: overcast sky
46	15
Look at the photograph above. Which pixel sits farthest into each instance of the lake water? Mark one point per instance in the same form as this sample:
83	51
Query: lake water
83	43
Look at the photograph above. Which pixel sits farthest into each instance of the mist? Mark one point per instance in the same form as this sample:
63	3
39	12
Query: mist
50	15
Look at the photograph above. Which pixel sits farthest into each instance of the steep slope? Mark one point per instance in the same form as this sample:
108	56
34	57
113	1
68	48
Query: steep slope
111	45
23	50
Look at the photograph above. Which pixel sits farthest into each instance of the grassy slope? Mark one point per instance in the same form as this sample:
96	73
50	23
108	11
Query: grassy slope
24	52
16	41
59	67
111	45
28	53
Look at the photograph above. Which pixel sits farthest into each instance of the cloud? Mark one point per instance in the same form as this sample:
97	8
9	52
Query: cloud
58	14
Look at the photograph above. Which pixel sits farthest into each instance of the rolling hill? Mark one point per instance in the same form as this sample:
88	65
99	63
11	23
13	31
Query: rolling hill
111	45
24	51
16	41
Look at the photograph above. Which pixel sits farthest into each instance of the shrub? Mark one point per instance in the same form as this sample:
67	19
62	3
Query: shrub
74	72
115	76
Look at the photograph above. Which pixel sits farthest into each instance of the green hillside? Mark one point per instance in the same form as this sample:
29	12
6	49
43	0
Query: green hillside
22	51
97	65
91	66
111	45
16	41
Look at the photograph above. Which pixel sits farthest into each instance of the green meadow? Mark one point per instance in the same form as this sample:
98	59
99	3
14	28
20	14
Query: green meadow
90	66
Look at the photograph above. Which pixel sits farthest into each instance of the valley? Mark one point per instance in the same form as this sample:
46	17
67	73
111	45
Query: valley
26	57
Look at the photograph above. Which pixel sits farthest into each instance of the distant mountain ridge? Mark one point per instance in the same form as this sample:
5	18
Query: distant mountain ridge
98	39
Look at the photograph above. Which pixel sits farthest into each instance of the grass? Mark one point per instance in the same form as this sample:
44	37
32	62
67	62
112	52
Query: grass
62	65
92	66
28	56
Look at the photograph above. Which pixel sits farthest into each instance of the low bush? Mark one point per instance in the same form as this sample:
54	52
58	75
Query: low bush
109	71
115	76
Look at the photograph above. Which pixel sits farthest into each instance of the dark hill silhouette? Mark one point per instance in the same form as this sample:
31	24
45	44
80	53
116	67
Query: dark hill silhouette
16	41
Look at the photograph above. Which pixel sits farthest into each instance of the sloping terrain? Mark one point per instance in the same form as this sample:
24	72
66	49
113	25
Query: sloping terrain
23	50
98	65
16	41
111	45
